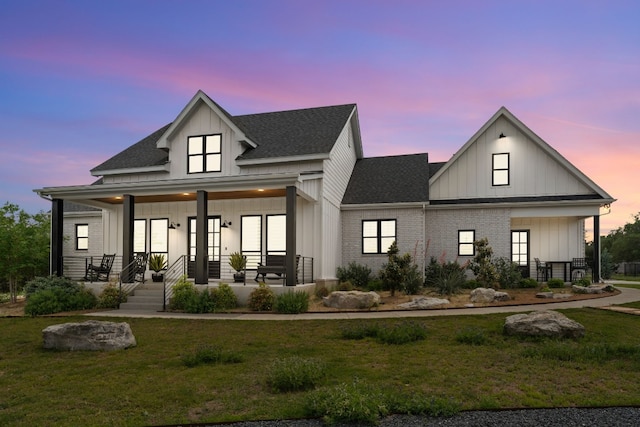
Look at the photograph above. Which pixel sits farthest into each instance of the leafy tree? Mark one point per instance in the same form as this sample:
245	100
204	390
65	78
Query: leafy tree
398	270
623	243
482	265
24	246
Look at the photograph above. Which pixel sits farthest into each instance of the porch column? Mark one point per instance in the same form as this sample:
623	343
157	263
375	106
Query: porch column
128	215
596	249
291	236
57	213
202	257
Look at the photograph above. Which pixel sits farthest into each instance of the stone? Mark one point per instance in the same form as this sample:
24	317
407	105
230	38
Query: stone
544	295
351	300
422	303
90	335
501	296
545	323
592	289
482	295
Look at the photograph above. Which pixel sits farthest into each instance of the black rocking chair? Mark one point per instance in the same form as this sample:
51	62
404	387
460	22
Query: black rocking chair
543	270
100	273
578	268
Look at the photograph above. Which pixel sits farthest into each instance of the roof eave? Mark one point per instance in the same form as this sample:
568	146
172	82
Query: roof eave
287	159
126	171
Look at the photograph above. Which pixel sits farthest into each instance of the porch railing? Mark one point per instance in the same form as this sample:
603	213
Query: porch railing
171	277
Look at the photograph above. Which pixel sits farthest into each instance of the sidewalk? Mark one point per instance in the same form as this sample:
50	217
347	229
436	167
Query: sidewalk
627	295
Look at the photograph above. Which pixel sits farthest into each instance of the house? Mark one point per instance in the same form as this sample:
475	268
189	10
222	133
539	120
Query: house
296	184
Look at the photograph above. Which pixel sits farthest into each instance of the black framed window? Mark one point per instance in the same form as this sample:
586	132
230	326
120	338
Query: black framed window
140	236
277	234
500	168
378	235
159	235
82	237
251	239
204	153
465	242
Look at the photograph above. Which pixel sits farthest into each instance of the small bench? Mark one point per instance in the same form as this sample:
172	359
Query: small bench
274	264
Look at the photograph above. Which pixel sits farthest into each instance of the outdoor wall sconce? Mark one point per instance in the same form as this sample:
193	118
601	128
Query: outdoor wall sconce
502	135
173	225
225	224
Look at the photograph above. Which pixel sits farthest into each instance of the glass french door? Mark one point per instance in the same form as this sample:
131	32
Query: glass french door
520	250
213	246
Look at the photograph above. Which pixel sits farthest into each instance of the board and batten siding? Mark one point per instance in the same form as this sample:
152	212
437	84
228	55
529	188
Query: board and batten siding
74	260
409	235
533	171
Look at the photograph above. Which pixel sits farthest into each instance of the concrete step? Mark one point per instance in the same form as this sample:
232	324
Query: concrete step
147	293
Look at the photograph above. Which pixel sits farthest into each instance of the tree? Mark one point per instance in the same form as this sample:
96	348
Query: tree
394	273
623	243
24	246
482	265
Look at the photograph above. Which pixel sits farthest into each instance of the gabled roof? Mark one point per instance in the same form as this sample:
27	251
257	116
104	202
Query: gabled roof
143	153
295	132
503	112
391	179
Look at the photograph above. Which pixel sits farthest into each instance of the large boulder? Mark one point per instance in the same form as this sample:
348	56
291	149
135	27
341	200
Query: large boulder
480	295
351	300
592	289
89	335
422	303
543	324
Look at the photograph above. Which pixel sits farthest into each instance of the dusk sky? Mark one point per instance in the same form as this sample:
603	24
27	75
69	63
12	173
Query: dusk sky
82	80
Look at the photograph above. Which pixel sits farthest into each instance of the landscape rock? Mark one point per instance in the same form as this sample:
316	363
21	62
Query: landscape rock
543	323
351	300
89	335
544	295
501	296
482	295
422	303
592	289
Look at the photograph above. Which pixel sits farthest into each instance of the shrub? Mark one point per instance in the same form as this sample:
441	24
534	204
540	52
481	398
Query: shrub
208	355
509	275
321	291
56	294
528	283
292	302
446	278
470	284
607	266
184	295
294	374
412	284
359	275
356	402
111	297
375	285
261	298
224	298
345	286
555	283
481	265
584	281
472	336
394	272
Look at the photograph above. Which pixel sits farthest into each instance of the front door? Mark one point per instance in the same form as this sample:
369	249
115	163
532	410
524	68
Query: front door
213	247
520	250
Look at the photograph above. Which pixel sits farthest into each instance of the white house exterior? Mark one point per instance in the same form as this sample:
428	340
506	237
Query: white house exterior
297	183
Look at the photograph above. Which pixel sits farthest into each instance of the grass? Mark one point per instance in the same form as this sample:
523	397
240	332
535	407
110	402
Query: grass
150	384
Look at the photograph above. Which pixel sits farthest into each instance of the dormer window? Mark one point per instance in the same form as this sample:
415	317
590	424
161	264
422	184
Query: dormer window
204	153
500	167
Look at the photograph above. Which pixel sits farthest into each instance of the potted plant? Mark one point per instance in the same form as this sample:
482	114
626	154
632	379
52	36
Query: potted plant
238	262
157	263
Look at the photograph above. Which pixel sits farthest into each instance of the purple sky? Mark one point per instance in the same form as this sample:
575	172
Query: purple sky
82	80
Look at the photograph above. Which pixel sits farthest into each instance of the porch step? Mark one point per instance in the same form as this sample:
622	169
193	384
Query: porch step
146	297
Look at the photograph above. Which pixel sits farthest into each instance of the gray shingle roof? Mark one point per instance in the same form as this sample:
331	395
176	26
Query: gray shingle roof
392	179
294	132
141	154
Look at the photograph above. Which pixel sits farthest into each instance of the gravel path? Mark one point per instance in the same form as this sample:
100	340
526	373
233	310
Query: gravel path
562	417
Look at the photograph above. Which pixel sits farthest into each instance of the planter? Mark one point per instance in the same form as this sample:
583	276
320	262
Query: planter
157	277
238	277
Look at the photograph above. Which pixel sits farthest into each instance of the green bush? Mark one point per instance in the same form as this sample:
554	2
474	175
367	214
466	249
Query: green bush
398	270
261	298
482	265
528	283
359	275
292	302
374	285
555	283
412	283
58	296
43	302
447	278
471	284
210	355
184	296
111	297
472	336
345	286
51	282
294	374
224	298
584	281
355	403
509	275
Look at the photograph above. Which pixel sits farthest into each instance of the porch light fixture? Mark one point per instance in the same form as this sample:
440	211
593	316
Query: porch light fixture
502	135
225	224
173	225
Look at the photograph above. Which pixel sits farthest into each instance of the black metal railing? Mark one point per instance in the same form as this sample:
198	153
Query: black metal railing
171	276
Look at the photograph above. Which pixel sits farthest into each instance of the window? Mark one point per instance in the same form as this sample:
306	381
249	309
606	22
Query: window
500	166
251	239
465	242
277	234
378	235
213	238
520	247
159	236
204	153
140	236
82	237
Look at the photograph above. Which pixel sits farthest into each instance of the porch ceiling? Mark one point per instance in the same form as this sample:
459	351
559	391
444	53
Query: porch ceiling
185	197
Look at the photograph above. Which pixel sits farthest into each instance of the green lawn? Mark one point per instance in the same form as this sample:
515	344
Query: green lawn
150	385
